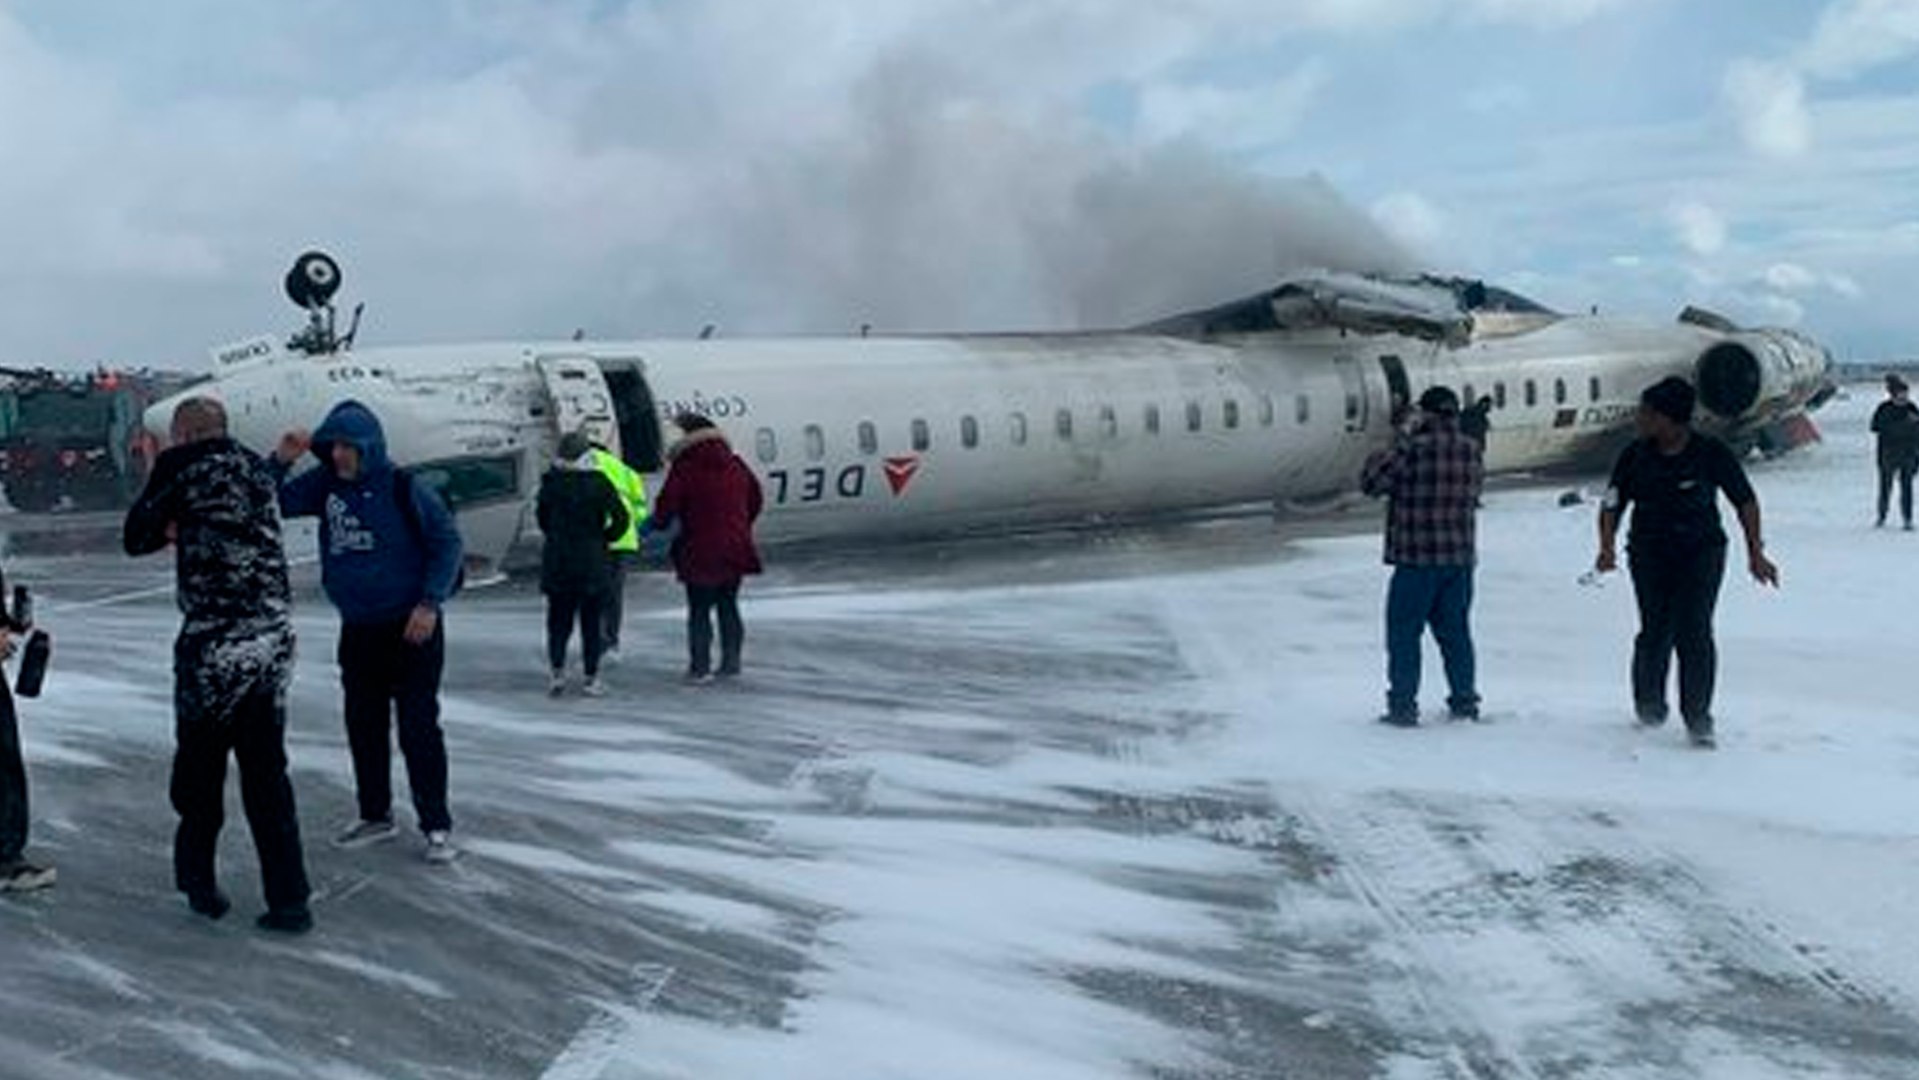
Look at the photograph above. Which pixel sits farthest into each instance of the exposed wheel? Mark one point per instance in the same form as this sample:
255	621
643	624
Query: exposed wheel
314	279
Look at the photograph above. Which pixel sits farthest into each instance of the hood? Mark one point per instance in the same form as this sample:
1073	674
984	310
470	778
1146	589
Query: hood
354	424
696	444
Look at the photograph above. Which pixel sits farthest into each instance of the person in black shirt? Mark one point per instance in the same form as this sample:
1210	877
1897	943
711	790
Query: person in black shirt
1896	422
1672	477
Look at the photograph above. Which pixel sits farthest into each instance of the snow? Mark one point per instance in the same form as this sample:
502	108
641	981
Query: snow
1095	807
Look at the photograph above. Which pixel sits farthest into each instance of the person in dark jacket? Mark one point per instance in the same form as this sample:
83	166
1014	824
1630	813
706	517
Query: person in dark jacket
580	515
1432	476
1476	421
1896	423
712	498
1672	478
214	500
389	559
17	873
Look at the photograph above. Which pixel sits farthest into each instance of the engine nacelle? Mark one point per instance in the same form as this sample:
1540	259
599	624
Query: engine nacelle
1755	376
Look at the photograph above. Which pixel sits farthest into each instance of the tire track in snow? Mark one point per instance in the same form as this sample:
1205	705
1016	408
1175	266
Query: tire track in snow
1518	942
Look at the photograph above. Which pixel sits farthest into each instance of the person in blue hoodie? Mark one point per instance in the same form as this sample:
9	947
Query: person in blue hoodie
389	558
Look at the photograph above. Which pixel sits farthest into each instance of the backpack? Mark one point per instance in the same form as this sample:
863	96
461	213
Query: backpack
403	482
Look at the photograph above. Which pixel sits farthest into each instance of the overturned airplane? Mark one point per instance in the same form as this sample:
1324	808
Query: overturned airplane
1273	398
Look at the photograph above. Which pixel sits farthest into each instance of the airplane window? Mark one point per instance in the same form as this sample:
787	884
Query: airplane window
1352	407
468	481
1194	418
1303	409
869	438
1016	426
1063	423
1559	391
1152	419
1108	422
766	445
1499	395
1532	393
1592	388
815	442
1266	410
1230	413
969	432
922	435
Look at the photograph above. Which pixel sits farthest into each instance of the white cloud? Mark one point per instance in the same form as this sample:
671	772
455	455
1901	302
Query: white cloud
1769	102
1699	228
1413	220
1788	277
1240	118
1544	13
1779	310
1855	36
1845	285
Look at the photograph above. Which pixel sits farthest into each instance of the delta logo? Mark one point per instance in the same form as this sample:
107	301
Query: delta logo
900	472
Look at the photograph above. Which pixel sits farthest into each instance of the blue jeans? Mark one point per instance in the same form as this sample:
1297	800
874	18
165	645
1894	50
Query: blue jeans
1440	597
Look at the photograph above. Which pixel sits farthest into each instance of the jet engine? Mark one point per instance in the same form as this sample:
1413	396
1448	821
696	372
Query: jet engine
1754	376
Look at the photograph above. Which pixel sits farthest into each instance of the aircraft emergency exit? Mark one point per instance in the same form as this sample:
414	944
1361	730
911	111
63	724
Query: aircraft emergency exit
1275	398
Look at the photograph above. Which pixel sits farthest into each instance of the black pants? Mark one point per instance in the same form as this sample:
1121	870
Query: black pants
617	563
702	601
255	734
13	782
1677	591
562	611
383	675
1901	470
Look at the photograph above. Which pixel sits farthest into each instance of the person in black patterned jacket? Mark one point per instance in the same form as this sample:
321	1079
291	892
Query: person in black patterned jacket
1432	477
233	660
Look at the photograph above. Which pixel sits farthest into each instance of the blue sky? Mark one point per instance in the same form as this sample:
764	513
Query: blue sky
519	168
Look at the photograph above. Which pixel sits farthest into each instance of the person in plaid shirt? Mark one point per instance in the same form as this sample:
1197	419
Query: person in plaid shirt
1431	477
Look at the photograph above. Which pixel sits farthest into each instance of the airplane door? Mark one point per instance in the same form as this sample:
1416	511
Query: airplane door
1352	381
581	400
1398	388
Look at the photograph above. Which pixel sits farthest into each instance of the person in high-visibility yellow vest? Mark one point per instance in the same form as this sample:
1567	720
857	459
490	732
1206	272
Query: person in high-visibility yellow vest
625	551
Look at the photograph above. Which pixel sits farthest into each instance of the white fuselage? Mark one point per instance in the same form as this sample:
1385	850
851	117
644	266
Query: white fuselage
893	436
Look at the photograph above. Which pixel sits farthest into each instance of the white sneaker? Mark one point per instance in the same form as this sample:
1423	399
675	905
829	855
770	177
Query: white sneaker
593	687
556	684
610	655
23	876
439	847
362	833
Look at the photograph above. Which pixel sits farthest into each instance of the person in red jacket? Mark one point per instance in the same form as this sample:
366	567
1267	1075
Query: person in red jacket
711	499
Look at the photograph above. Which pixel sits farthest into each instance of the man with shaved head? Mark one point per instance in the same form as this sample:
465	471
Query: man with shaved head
216	502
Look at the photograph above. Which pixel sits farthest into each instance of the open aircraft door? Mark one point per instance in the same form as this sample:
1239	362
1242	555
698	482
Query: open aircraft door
1352	382
581	400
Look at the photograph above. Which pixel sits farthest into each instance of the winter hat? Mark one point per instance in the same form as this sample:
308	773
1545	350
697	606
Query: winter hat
1440	401
691	422
573	446
1672	397
1894	383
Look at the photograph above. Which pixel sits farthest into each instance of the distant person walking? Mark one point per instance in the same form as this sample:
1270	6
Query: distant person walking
1896	423
233	660
624	550
1476	422
712	499
389	559
1672	478
580	514
1431	477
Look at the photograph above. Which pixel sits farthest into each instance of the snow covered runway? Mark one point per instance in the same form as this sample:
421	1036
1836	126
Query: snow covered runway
1093	807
